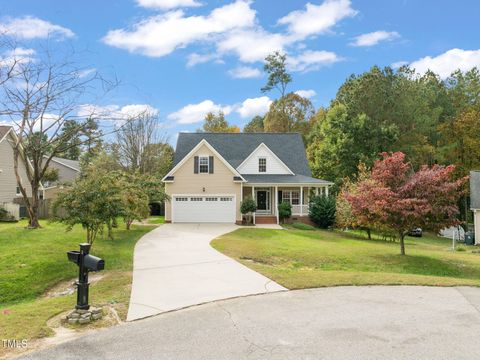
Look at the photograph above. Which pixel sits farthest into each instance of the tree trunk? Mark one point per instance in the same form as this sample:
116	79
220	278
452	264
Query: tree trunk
402	243
369	233
128	223
33	223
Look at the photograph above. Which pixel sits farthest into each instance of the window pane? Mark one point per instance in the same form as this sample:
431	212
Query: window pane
262	165
203	164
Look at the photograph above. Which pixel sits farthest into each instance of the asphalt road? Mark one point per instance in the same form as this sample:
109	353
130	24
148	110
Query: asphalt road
399	322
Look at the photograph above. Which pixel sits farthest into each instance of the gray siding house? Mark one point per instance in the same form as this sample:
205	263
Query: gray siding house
9	189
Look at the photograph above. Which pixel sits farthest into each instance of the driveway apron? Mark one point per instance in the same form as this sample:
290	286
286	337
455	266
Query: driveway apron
175	267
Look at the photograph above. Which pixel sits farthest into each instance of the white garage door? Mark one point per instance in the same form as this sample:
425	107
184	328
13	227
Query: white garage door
208	208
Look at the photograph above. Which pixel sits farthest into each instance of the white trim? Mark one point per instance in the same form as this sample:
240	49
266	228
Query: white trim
301	200
276	202
215	152
274	155
288	184
208	164
6	134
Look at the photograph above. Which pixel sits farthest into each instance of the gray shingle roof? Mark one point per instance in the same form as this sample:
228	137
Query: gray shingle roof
75	164
475	189
235	147
284	179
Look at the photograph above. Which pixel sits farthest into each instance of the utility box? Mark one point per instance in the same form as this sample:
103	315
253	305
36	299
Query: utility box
469	238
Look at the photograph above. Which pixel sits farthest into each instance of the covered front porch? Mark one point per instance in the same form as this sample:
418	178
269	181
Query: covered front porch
268	196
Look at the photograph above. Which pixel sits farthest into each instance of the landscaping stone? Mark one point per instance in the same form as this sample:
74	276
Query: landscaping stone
83	316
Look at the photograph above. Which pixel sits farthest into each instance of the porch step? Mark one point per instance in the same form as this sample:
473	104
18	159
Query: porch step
259	219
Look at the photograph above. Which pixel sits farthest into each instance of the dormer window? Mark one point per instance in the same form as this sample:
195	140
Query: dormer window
262	165
203	164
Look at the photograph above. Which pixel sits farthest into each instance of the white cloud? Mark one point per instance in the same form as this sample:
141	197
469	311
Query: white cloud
16	56
306	93
29	27
446	63
251	45
317	19
312	60
160	35
243	72
374	38
194	113
167	4
194	59
115	112
254	106
398	64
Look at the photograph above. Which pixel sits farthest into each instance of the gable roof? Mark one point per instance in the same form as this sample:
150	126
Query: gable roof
236	147
4	129
475	190
72	164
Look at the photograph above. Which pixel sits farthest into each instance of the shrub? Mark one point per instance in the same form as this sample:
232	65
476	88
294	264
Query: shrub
302	226
284	211
322	211
248	206
5	216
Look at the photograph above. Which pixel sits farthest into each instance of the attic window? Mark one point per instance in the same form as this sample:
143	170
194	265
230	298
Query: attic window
262	165
203	164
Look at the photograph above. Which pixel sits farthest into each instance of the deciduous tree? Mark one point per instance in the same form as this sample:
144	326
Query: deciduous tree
397	198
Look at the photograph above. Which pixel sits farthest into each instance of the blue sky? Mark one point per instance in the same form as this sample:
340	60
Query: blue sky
185	57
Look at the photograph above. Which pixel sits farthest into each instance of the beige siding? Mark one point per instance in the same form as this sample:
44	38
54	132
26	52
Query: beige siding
65	174
8	181
220	182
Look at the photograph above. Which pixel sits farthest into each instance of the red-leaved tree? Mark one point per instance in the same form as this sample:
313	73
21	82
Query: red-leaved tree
396	198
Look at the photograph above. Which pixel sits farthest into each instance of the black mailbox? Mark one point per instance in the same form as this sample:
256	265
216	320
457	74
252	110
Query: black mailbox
74	256
93	263
86	263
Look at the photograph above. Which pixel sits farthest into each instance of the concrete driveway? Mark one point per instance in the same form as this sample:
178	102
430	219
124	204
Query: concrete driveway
398	322
175	266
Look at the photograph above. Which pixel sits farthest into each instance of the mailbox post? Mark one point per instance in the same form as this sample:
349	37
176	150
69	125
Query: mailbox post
86	263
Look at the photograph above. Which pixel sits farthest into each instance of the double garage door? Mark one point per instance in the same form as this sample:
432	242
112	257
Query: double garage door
208	208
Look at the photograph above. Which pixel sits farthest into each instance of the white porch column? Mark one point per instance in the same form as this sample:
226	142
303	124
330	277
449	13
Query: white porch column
326	191
301	200
476	224
316	191
276	202
253	197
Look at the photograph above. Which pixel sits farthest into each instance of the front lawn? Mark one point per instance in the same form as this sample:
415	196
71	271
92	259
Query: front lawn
300	259
156	220
32	261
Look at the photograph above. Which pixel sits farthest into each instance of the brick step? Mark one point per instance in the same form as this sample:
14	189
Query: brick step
265	219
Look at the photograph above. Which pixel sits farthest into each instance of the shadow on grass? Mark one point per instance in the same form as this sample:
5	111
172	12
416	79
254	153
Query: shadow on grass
424	265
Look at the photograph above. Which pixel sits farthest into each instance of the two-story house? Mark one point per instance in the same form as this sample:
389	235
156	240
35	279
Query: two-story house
214	172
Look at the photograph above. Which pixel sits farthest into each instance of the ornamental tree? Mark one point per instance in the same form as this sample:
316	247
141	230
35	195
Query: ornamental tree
396	198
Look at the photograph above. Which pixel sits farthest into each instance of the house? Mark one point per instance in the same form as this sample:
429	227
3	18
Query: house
68	171
214	172
475	202
10	195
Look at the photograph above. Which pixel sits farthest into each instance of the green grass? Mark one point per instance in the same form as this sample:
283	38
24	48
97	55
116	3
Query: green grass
33	261
156	220
304	258
301	226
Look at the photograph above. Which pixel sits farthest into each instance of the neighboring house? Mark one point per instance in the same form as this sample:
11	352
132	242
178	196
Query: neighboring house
10	195
68	171
213	172
475	202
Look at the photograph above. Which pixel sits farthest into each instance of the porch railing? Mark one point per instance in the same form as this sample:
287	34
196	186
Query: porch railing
296	209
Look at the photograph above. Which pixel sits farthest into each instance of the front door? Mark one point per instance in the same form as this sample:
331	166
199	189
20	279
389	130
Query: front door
262	203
